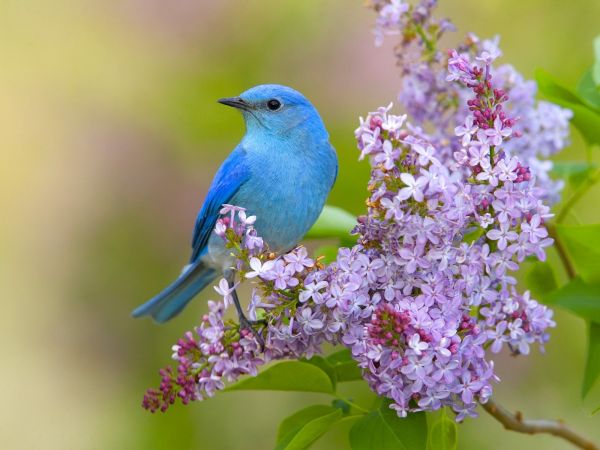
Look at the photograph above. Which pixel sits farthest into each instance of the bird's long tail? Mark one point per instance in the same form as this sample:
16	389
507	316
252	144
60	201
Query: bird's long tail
176	296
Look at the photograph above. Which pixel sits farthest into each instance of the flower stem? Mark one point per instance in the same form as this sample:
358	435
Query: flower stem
428	43
587	185
516	422
569	204
352	404
562	251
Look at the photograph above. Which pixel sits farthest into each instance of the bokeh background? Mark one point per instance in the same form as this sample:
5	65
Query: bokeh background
110	135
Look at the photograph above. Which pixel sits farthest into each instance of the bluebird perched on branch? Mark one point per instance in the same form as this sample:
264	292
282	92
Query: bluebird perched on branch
281	172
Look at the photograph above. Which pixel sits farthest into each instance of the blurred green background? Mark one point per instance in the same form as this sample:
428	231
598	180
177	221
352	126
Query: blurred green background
110	135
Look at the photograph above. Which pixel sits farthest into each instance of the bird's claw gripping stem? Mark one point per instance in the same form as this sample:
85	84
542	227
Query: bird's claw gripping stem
252	326
245	324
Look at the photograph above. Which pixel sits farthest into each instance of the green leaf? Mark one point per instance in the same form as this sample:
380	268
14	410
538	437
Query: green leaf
345	367
540	279
565	169
339	366
585	119
553	90
288	376
576	172
348	372
578	297
592	365
596	68
333	222
588	90
472	236
325	366
341	356
583	245
443	433
342	404
328	251
313	430
382	429
300	418
587	123
304	427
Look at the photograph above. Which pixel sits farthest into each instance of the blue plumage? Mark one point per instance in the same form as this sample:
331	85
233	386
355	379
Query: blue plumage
232	174
282	172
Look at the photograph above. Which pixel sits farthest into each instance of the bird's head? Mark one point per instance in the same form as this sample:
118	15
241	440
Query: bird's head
276	109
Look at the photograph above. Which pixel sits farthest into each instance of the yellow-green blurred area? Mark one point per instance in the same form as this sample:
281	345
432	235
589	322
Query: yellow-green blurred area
110	135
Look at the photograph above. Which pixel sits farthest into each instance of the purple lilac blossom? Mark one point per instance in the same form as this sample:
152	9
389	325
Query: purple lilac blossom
218	352
453	295
433	103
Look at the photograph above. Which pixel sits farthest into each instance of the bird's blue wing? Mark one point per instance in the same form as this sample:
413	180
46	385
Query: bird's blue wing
232	174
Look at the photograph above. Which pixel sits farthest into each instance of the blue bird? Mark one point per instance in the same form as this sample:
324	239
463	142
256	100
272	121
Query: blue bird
281	172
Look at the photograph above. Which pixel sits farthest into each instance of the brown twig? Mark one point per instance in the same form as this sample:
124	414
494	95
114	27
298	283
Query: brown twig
516	422
560	248
562	251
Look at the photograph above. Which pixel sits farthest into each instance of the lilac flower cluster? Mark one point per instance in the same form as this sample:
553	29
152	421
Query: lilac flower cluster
287	297
390	15
444	235
292	325
287	294
433	102
219	352
451	215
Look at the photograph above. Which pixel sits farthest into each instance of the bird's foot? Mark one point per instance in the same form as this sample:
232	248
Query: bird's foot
245	324
253	327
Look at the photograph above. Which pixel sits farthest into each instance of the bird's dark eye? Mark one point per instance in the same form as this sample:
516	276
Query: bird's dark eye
273	104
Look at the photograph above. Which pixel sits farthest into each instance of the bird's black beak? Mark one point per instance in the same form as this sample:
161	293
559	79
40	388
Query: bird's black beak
236	102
